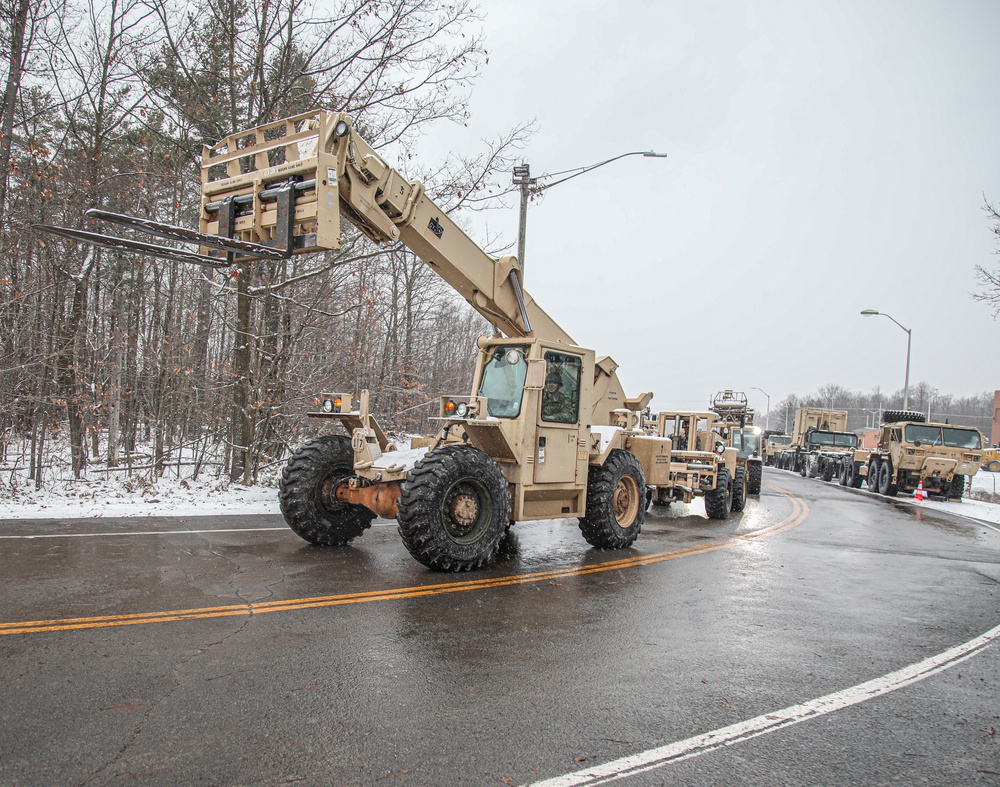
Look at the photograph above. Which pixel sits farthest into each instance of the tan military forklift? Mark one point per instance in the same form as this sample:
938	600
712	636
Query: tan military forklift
701	464
911	451
547	430
739	431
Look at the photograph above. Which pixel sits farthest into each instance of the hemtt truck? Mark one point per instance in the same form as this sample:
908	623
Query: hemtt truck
547	430
911	452
819	443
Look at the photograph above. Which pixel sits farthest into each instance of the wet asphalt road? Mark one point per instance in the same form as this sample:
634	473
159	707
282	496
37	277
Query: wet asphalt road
234	653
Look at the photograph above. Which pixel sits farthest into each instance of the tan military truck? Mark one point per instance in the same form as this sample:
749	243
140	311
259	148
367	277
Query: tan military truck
547	430
912	451
819	443
740	433
772	442
701	464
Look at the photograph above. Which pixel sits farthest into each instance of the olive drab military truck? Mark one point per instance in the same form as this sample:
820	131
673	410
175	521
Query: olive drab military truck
547	430
819	443
773	442
912	451
701	464
740	432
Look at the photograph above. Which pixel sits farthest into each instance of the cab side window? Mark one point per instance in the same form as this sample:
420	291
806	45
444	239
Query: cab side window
561	395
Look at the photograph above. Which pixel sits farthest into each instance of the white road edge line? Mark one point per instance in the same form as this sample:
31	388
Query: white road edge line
771	722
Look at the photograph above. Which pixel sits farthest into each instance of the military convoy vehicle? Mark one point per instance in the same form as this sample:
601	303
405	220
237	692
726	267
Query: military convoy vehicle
912	451
702	464
819	443
740	433
547	430
772	442
991	460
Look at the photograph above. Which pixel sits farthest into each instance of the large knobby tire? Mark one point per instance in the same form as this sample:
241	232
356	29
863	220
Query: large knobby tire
755	477
886	479
855	479
844	472
827	472
739	489
957	488
873	468
454	509
305	495
615	494
993	466
719	501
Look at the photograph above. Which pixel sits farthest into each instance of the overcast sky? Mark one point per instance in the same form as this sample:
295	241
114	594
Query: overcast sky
824	158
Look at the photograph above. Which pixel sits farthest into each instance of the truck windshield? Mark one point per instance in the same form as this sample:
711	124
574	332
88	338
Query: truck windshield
747	442
503	381
961	438
836	439
780	439
951	436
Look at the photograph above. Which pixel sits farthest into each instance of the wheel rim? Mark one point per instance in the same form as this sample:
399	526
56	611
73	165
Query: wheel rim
466	510
625	501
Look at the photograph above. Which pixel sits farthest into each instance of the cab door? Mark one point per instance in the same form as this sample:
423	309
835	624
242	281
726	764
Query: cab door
557	433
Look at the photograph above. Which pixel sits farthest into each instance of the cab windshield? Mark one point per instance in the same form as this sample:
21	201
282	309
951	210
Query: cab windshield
780	439
747	442
943	435
503	381
836	439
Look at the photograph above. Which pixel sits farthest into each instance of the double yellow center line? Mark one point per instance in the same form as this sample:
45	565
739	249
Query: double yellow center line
798	515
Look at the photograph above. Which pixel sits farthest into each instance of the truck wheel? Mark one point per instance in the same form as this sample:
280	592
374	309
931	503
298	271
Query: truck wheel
957	488
755	474
843	473
827	470
993	466
873	468
615	492
719	501
803	467
886	480
453	509
855	478
308	482
739	489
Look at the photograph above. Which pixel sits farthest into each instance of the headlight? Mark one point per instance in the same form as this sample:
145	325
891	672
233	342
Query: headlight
462	410
512	357
328	405
720	448
341	128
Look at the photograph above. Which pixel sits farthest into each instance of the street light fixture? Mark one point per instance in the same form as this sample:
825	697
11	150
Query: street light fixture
767	418
909	336
529	186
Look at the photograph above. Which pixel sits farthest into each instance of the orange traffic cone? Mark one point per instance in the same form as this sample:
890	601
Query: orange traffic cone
919	494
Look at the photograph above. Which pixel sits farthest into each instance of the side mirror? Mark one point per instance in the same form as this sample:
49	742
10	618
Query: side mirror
536	374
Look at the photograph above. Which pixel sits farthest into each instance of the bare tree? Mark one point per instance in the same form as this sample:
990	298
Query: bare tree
990	279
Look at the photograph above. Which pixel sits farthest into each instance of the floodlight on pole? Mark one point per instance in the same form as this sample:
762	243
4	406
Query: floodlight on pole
909	337
767	417
530	186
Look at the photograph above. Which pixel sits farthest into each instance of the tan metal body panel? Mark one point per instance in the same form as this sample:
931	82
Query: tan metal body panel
807	418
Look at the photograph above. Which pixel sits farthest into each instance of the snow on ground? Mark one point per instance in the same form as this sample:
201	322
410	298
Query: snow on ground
215	496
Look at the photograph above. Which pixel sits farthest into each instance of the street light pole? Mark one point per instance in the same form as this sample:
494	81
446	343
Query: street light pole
767	418
529	186
909	337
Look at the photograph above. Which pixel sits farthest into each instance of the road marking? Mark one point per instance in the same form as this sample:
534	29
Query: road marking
797	516
147	533
772	722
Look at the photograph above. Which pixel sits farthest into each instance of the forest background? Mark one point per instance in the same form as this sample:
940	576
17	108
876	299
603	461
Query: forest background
120	363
